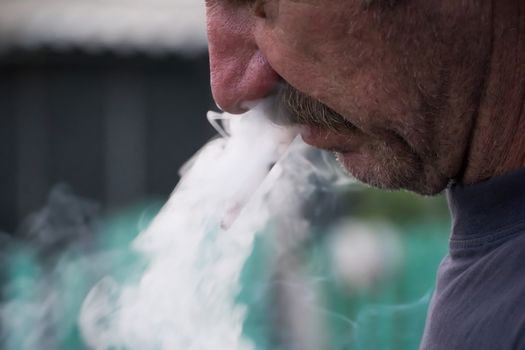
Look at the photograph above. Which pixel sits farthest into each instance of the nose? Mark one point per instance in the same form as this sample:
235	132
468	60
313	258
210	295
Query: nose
239	71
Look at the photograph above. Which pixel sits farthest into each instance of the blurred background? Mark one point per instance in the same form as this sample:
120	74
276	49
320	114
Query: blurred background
107	96
101	103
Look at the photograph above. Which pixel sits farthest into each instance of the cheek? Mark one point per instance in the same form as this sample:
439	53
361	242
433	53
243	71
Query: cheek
303	42
346	59
320	52
346	72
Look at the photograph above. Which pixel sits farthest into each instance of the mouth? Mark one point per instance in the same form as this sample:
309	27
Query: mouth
319	125
338	141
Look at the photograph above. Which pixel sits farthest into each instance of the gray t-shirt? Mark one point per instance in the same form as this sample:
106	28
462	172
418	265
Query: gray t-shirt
479	301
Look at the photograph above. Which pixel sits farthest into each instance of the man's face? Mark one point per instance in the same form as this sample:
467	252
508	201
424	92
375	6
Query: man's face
391	88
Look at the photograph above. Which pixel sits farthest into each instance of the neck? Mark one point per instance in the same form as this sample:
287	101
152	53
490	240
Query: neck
497	144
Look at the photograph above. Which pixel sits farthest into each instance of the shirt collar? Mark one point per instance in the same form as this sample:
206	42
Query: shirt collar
488	207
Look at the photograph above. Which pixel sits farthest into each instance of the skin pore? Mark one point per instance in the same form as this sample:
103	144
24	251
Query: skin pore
412	94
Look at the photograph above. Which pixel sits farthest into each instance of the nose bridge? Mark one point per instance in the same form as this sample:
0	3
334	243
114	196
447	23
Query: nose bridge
239	71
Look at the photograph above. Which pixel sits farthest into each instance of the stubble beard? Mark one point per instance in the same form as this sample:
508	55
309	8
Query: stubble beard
386	163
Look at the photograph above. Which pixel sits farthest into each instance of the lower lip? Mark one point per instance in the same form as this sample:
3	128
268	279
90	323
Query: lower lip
309	134
343	144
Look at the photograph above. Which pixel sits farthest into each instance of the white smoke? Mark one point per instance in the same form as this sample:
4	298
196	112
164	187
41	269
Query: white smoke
257	177
199	242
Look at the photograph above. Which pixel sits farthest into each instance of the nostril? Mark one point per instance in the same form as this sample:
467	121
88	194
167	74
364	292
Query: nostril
259	80
238	82
239	71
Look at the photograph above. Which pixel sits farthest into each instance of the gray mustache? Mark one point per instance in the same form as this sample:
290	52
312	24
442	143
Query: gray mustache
302	109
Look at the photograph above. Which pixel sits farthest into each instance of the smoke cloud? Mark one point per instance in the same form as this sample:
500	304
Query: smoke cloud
196	248
176	285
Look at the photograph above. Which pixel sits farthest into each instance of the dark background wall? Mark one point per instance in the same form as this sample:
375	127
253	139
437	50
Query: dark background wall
115	128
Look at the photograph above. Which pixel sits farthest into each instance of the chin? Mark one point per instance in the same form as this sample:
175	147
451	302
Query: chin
393	172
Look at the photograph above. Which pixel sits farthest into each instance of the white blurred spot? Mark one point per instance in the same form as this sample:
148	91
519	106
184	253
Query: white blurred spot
364	255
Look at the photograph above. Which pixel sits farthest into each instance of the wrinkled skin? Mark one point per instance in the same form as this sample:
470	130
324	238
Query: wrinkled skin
408	78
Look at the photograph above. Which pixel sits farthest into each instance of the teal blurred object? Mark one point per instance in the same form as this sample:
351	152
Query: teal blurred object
393	319
43	292
389	317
